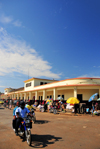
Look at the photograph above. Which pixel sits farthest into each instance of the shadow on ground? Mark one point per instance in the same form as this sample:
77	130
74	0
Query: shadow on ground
41	141
1	108
41	121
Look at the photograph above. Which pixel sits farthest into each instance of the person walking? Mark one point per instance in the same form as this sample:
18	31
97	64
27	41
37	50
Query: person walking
10	104
14	116
93	108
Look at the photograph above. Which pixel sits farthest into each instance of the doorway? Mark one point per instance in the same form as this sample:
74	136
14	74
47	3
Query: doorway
80	97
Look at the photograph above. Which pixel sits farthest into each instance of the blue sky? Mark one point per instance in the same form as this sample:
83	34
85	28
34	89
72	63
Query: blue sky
52	39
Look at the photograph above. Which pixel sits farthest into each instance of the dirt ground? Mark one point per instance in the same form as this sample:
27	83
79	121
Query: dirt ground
53	131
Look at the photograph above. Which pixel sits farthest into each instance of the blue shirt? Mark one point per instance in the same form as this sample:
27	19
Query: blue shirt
14	110
22	112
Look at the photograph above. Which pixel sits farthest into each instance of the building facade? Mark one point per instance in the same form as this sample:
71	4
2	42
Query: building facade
41	89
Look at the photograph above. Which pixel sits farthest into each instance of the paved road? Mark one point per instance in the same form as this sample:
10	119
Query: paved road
53	131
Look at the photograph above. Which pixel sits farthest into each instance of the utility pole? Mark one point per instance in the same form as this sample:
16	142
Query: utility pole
28	73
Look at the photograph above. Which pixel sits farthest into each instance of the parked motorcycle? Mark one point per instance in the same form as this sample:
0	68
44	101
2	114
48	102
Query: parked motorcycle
53	109
24	129
42	108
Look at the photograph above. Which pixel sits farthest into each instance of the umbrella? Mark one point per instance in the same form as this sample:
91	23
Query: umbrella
59	98
98	99
1	101
48	101
72	100
92	97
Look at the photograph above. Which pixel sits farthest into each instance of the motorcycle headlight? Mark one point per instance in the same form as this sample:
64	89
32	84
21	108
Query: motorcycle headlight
27	121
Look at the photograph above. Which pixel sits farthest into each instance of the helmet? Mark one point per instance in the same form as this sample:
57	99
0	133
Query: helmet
22	103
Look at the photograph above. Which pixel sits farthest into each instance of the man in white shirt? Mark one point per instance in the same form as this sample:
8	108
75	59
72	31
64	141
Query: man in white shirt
20	113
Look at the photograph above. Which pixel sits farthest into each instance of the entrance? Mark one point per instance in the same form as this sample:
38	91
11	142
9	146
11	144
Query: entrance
80	97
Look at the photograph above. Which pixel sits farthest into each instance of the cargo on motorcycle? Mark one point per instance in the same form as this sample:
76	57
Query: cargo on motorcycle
32	110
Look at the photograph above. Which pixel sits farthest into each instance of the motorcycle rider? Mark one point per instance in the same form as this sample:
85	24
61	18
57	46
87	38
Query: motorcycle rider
20	113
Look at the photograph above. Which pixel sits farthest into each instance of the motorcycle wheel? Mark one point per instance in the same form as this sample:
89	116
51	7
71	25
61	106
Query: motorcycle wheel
55	111
42	110
28	137
34	119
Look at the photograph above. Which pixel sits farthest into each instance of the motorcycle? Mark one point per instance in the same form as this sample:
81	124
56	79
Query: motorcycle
24	129
53	109
42	108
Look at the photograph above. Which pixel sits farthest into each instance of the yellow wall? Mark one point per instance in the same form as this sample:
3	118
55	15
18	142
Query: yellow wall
87	93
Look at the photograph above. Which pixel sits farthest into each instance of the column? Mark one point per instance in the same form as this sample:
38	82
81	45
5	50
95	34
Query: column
21	96
14	96
17	96
75	92
44	94
30	95
99	92
24	96
36	95
54	93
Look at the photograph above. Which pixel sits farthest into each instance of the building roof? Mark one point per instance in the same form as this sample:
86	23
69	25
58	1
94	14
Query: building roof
8	88
93	82
18	89
38	79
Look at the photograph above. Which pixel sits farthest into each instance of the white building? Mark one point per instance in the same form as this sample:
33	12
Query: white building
41	89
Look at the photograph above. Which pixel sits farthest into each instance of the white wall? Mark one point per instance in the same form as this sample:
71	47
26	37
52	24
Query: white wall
29	87
37	82
7	90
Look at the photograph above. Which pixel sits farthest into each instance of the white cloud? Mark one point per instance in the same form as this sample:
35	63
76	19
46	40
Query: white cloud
16	56
9	19
17	23
5	19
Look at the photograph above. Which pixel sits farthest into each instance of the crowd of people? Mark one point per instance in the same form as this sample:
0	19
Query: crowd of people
46	106
92	108
8	103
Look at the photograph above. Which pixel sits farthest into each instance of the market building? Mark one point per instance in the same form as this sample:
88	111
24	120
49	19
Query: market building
41	89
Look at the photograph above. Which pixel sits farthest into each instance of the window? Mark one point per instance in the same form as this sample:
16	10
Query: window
50	96
41	83
28	84
63	97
